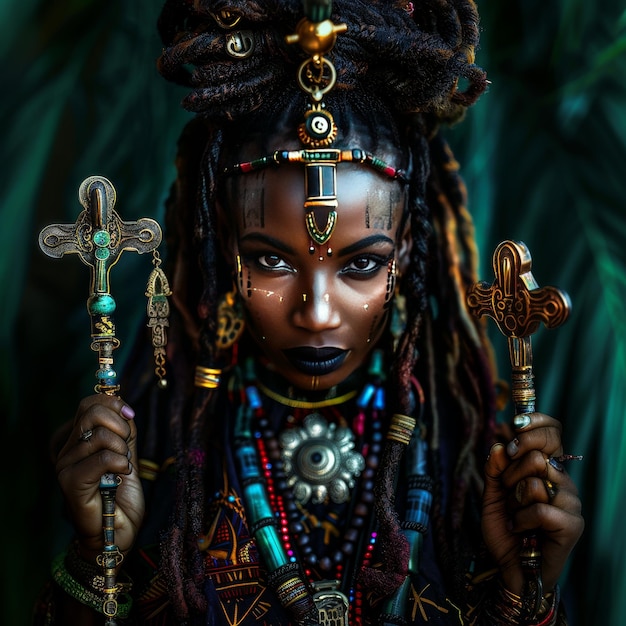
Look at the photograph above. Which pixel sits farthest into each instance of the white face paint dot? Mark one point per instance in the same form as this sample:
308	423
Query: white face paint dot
366	306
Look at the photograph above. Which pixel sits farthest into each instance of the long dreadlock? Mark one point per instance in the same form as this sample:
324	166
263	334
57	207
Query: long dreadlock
399	66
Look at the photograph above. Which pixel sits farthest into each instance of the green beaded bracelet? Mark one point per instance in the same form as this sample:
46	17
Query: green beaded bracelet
94	599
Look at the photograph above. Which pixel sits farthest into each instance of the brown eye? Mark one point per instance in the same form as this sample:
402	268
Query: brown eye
364	266
272	262
363	263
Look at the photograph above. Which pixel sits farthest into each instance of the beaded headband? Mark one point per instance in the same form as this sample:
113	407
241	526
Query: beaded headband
317	34
320	182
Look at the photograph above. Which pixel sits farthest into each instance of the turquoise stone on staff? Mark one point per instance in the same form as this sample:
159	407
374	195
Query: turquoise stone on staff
101	304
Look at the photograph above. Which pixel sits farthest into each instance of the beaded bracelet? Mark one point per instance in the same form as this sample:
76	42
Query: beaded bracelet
506	609
84	582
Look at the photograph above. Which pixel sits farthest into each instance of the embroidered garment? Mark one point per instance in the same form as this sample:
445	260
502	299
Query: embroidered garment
341	536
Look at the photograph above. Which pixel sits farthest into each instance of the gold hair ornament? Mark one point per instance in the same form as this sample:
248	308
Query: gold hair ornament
401	428
226	19
230	320
207	377
316	34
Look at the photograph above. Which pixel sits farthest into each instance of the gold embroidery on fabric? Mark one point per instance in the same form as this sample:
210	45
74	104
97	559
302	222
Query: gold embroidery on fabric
419	600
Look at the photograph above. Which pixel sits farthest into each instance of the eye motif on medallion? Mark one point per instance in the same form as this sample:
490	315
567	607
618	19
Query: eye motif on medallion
320	461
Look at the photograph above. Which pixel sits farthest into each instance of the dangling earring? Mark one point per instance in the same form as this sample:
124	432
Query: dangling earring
230	320
157	291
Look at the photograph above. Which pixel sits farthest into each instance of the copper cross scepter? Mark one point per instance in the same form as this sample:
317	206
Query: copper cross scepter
99	237
518	305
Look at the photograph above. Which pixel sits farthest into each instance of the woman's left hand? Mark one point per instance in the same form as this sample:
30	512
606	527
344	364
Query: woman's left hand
527	489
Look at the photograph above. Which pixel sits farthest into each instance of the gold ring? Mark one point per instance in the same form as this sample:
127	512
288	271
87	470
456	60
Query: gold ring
86	436
551	488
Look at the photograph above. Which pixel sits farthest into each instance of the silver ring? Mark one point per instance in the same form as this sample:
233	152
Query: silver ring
555	463
86	436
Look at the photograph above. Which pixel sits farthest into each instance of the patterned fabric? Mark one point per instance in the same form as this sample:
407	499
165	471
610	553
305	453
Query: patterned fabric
236	587
236	578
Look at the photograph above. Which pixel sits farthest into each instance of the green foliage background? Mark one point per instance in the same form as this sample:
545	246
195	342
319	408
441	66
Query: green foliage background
544	157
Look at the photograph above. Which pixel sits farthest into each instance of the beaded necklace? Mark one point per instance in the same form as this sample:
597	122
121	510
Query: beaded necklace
275	516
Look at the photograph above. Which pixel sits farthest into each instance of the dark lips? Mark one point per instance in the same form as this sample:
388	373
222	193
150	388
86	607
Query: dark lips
316	361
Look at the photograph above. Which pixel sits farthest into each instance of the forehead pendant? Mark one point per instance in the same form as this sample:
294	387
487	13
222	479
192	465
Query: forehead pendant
320	185
316	35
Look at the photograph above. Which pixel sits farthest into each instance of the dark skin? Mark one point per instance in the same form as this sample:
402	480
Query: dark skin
516	498
111	448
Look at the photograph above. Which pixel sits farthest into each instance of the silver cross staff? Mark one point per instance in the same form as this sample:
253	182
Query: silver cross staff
99	237
518	305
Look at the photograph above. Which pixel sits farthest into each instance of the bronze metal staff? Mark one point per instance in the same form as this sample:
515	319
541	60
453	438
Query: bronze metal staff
99	237
518	305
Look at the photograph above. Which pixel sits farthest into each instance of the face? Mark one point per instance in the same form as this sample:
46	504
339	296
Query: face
316	311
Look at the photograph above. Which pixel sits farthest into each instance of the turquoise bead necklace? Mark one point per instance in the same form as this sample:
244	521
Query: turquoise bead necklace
274	516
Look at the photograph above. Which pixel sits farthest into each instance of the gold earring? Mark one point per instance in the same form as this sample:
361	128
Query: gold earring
157	291
230	320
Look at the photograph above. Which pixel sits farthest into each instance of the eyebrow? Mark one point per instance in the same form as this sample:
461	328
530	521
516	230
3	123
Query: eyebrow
365	243
268	240
351	249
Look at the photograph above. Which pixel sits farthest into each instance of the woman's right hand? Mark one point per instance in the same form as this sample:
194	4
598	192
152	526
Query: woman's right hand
111	448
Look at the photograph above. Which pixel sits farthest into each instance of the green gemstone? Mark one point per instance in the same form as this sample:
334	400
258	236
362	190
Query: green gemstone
102	254
101	304
101	238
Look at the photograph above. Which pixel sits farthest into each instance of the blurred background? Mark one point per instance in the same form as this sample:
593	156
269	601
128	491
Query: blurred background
544	158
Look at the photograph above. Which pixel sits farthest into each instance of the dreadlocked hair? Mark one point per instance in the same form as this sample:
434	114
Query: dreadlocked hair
399	77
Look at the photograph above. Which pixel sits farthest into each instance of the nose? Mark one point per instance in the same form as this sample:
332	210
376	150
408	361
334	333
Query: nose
317	308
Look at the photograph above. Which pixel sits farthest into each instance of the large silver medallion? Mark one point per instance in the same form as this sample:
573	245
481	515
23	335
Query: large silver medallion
320	461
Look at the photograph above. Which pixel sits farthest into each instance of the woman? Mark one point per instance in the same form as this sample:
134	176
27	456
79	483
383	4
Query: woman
316	456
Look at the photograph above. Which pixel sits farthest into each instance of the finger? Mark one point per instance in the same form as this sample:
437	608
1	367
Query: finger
84	475
92	442
555	488
101	410
552	519
533	490
529	421
116	403
535	464
101	422
496	465
497	462
545	438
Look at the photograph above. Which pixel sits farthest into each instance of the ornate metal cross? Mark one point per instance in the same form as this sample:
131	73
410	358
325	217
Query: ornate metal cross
518	306
99	237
